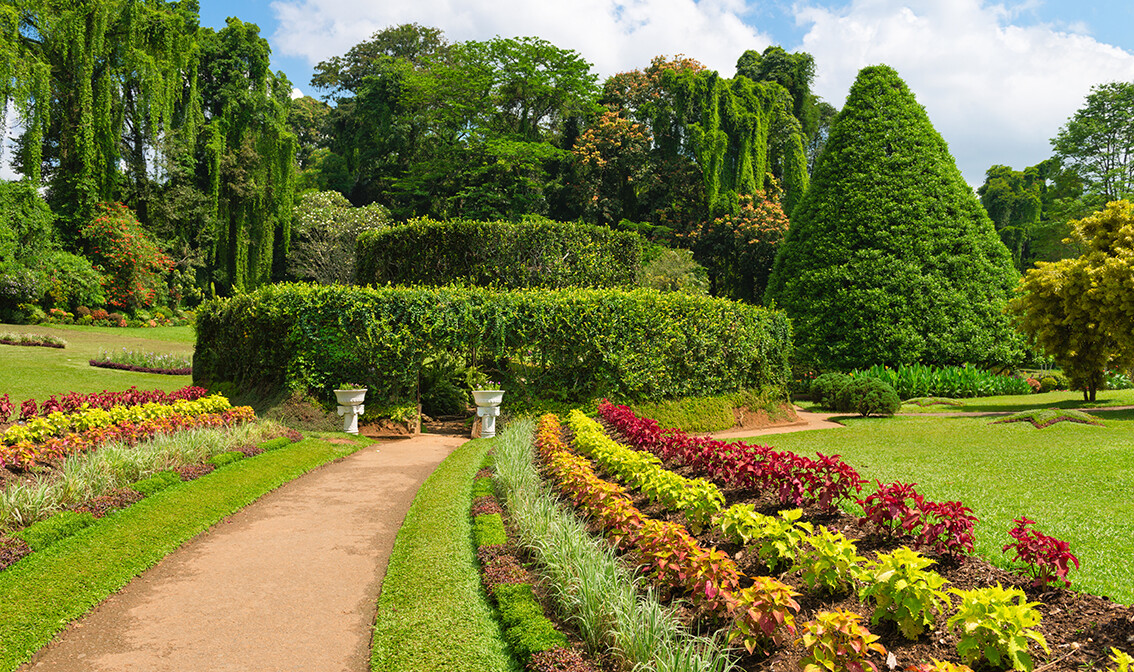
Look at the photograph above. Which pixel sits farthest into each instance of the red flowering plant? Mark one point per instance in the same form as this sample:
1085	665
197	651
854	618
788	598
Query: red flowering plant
130	259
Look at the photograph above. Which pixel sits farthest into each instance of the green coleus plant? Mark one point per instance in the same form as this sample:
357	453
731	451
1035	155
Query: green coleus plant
997	624
904	591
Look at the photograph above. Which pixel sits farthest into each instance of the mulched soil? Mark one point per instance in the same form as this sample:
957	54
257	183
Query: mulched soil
1080	629
194	471
118	498
11	550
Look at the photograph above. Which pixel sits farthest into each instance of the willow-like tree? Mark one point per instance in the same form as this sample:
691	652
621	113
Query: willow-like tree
890	258
96	84
248	156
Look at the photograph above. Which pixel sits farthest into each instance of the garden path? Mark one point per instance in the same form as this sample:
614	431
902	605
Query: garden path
287	583
807	420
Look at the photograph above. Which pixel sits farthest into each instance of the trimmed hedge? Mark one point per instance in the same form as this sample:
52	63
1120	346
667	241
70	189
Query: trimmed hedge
156	483
571	344
503	255
526	629
488	530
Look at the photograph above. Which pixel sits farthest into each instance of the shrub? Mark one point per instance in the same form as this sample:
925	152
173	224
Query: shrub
637	345
224	459
129	256
526	629
890	257
273	444
503	255
156	483
996	624
867	397
488	529
46	532
825	388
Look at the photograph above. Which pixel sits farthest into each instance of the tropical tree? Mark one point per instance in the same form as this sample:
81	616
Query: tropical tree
890	258
1098	142
326	228
1081	311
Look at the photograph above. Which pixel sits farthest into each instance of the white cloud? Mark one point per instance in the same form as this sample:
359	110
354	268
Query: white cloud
296	93
997	92
614	35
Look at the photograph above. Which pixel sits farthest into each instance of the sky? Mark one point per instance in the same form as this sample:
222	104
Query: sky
998	80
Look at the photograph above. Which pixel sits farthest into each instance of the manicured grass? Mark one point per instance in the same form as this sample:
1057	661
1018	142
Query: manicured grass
1076	481
41	593
40	372
432	612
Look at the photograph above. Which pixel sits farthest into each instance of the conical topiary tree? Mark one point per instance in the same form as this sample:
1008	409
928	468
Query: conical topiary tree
890	258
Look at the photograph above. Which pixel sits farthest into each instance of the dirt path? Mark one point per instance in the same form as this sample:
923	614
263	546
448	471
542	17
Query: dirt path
287	583
807	420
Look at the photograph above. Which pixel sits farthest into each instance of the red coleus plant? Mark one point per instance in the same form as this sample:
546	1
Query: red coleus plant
1046	558
6	409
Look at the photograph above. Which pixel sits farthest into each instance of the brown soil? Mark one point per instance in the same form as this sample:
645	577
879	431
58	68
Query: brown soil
747	418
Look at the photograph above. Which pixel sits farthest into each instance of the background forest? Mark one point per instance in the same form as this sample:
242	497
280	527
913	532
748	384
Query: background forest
163	162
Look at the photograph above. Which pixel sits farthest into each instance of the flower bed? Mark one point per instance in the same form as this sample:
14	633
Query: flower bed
989	617
73	402
187	371
40	340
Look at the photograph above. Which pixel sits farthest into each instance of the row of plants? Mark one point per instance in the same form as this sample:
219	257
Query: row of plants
533	638
100	317
994	624
45	531
73	402
920	380
620	618
798	480
172	364
42	340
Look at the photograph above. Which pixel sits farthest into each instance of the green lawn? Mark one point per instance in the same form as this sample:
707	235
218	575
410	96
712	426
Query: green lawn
1076	481
33	372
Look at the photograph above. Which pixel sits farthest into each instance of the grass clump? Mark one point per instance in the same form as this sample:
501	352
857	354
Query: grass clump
432	613
46	532
925	402
1046	417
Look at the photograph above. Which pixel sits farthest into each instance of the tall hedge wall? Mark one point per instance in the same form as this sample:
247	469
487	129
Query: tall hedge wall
567	344
503	255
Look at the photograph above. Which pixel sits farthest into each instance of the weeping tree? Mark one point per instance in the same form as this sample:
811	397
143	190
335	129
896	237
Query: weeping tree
96	85
247	154
132	101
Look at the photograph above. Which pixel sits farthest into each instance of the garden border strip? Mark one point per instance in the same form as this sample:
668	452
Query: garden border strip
140	369
58	346
42	593
432	613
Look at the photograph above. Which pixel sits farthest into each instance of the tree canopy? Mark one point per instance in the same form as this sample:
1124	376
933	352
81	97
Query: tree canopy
890	259
1081	310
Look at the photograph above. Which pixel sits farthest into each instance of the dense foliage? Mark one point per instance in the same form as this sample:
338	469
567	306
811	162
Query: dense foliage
571	344
955	382
499	254
1079	310
890	258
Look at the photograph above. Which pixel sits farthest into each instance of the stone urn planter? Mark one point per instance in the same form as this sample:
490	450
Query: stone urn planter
487	408
350	407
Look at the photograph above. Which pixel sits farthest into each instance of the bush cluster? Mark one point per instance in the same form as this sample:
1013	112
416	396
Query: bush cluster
561	344
864	395
504	255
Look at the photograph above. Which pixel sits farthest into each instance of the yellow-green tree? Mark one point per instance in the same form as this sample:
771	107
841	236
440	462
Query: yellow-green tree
1081	310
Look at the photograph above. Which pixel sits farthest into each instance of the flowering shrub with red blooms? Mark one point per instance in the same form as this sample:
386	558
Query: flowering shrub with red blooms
26	454
73	401
1048	559
797	480
128	255
897	510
